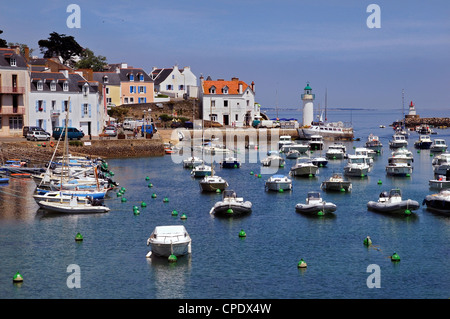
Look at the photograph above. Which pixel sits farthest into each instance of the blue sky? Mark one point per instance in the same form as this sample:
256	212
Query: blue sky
280	45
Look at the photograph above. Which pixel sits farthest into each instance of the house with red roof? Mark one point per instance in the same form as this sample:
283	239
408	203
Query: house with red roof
230	103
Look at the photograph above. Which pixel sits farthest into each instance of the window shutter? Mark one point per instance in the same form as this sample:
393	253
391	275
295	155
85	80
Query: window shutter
82	110
70	107
45	106
145	89
37	105
62	106
45	125
89	110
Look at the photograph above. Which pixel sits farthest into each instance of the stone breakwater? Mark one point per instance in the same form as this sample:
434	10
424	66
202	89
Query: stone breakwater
433	121
35	153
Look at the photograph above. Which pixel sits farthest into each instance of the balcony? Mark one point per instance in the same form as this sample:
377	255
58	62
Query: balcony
55	113
10	110
308	96
11	90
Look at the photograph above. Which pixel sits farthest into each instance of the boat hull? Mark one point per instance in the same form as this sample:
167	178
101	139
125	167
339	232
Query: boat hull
336	186
423	145
315	208
435	183
213	186
68	209
223	209
165	250
339	134
438	203
304	171
393	208
399	170
276	186
356	171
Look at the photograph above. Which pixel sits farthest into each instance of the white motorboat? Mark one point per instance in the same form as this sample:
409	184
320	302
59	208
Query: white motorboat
319	161
293	154
231	205
230	162
169	240
399	164
441	181
364	151
373	142
213	183
201	170
278	182
59	196
393	203
333	130
439	145
74	206
301	148
336	183
398	140
335	151
439	203
315	205
357	165
192	162
216	149
284	140
441	164
273	160
304	167
424	142
316	142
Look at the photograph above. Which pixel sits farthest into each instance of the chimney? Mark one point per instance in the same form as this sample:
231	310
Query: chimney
124	65
234	79
240	88
27	53
253	87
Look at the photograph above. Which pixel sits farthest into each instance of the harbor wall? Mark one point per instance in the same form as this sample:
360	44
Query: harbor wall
432	121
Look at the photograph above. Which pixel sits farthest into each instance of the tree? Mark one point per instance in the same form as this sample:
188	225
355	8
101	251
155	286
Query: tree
90	61
61	45
22	47
3	43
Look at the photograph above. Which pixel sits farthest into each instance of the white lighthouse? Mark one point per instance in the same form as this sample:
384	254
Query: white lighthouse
308	106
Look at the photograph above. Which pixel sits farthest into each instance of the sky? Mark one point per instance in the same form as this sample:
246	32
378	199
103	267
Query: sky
280	45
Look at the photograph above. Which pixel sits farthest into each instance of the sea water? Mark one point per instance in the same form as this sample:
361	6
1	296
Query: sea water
112	257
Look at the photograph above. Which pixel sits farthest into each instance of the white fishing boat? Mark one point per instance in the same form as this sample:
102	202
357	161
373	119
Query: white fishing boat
201	170
335	151
231	205
336	183
192	162
439	202
278	182
393	203
273	160
441	164
398	140
424	142
439	145
169	240
329	130
74	206
316	142
315	205
357	165
373	143
304	167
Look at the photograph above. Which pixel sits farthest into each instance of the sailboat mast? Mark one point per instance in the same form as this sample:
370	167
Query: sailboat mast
326	103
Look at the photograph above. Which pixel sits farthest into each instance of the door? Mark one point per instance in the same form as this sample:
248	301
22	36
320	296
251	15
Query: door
226	119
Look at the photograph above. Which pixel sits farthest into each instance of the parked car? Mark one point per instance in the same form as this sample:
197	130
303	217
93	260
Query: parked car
26	129
111	131
38	136
72	133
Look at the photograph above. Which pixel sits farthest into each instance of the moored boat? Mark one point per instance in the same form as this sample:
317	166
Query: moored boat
74	206
398	140
335	151
439	202
213	183
316	142
278	183
273	160
192	162
315	205
357	165
373	143
293	154
201	170
441	181
169	240
392	203
336	183
231	205
230	162
439	145
424	142
304	168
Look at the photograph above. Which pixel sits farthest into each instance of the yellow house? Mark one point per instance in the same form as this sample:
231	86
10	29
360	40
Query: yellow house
110	83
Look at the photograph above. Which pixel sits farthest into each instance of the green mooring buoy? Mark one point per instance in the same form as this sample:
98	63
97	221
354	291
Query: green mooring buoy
367	241
242	233
17	278
78	237
395	257
302	264
172	258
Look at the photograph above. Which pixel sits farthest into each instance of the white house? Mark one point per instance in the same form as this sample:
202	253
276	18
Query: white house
49	102
175	82
228	102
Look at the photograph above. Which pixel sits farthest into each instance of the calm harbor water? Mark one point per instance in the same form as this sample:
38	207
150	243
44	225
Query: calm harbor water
263	265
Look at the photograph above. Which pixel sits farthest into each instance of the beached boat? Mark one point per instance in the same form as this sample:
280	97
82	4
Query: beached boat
373	143
273	160
315	205
357	165
304	167
192	162
316	142
439	202
201	170
439	145
398	140
74	206
293	154
424	142
336	183
230	162
169	240
231	205
278	182
393	203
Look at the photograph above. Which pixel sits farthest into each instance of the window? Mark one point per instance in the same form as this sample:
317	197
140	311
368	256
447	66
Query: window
65	86
225	90
53	86
248	103
181	87
108	100
237	117
53	104
169	87
105	79
213	117
40	105
125	100
141	77
225	103
213	103
107	90
13	62
131	77
40	85
86	89
212	90
131	99
15	123
85	109
142	89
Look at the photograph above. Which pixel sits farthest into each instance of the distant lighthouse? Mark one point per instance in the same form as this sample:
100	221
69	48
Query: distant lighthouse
308	106
412	109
